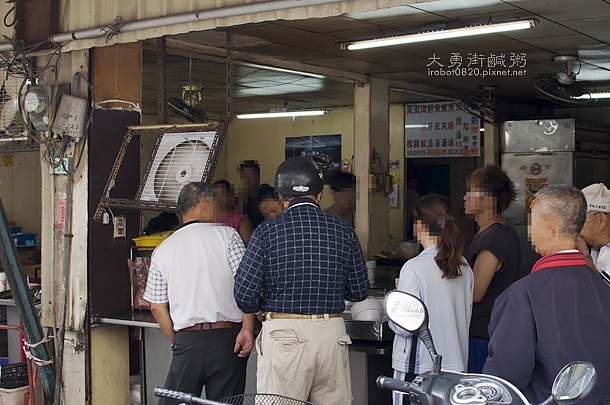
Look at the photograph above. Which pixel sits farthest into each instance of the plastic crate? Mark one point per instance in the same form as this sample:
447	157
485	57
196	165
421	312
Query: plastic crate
16	396
14	375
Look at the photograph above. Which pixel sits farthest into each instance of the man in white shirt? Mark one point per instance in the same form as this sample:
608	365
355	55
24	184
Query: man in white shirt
190	288
596	231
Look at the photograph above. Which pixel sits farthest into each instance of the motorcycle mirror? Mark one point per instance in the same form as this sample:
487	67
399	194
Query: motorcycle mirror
573	382
410	313
406	311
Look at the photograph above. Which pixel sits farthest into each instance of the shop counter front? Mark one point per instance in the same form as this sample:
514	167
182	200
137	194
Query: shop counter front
154	349
368	360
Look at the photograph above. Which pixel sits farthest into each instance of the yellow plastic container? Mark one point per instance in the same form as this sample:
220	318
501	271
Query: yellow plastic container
151	241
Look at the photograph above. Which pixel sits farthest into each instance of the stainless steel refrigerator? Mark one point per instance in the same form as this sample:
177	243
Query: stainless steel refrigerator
537	153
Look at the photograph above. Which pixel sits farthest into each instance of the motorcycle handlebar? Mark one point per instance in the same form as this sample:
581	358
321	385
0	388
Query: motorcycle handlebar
393	384
182	397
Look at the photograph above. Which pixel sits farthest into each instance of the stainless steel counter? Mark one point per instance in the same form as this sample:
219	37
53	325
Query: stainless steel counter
139	317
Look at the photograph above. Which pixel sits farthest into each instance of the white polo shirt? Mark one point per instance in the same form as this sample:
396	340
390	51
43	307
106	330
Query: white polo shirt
194	270
601	258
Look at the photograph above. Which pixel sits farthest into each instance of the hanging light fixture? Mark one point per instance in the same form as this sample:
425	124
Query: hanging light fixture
441	34
280	113
191	95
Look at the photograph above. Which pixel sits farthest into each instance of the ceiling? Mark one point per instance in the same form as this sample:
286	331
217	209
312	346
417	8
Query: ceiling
565	27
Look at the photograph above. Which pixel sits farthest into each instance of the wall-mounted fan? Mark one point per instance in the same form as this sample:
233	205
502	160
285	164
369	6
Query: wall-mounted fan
562	87
481	104
12	126
180	107
178	159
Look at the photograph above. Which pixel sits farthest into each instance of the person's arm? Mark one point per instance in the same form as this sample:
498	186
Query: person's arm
161	313
485	266
357	284
407	282
245	230
583	247
249	276
512	330
156	294
244	342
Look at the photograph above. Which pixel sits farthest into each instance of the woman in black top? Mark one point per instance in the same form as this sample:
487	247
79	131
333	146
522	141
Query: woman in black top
494	255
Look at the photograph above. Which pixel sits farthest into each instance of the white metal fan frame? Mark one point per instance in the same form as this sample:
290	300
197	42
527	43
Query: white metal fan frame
218	127
167	143
11	83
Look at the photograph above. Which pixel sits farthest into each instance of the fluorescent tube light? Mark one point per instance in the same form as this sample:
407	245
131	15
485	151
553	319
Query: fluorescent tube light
280	114
593	95
442	34
276	69
416	126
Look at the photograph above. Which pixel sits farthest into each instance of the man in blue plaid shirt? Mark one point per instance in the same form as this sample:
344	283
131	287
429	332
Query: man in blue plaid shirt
299	269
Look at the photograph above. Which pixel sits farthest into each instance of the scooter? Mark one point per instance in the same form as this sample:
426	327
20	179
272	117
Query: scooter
438	387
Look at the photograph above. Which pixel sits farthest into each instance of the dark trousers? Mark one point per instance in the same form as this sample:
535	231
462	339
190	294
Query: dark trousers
205	358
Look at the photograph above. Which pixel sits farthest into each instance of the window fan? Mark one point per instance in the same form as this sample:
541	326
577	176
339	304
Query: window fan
179	158
562	87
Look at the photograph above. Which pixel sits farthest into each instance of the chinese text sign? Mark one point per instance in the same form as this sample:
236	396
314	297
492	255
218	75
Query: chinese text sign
440	130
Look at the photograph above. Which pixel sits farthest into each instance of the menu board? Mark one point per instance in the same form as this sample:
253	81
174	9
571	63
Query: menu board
440	130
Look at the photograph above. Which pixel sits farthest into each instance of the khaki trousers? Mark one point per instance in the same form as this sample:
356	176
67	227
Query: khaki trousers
305	359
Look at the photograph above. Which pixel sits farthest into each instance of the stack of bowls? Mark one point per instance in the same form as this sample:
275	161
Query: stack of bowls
371	309
410	249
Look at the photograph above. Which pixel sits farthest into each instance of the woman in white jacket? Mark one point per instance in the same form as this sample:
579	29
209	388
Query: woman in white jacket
442	279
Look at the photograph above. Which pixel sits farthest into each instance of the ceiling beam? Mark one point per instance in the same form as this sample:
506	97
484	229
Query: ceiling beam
183	48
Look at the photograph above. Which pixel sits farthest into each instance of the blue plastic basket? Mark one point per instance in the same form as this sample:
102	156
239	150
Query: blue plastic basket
25	239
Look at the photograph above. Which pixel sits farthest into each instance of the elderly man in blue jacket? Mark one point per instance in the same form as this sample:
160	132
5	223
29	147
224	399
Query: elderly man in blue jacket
559	312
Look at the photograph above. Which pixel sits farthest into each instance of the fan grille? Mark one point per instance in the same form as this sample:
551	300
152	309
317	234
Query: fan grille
549	88
480	106
12	126
179	159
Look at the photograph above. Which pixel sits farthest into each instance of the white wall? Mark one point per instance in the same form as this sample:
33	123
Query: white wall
20	189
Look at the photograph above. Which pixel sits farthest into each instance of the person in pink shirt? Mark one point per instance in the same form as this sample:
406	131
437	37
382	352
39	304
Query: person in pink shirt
227	212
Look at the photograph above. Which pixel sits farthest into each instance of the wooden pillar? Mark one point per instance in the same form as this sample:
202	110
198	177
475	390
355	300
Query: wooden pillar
491	151
116	74
52	243
362	162
371	134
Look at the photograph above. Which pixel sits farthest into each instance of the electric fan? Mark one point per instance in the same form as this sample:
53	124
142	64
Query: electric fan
178	159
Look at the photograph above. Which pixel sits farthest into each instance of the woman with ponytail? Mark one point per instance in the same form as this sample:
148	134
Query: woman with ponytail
442	279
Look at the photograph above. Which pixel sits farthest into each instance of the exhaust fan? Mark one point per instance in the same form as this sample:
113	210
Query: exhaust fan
183	153
178	159
12	127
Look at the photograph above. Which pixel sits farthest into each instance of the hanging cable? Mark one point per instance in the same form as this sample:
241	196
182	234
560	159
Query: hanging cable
12	10
87	126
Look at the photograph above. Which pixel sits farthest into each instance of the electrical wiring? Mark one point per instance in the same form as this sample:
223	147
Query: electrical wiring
378	170
87	125
32	75
54	148
12	10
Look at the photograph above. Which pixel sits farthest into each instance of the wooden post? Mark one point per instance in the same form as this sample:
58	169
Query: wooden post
116	75
371	133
